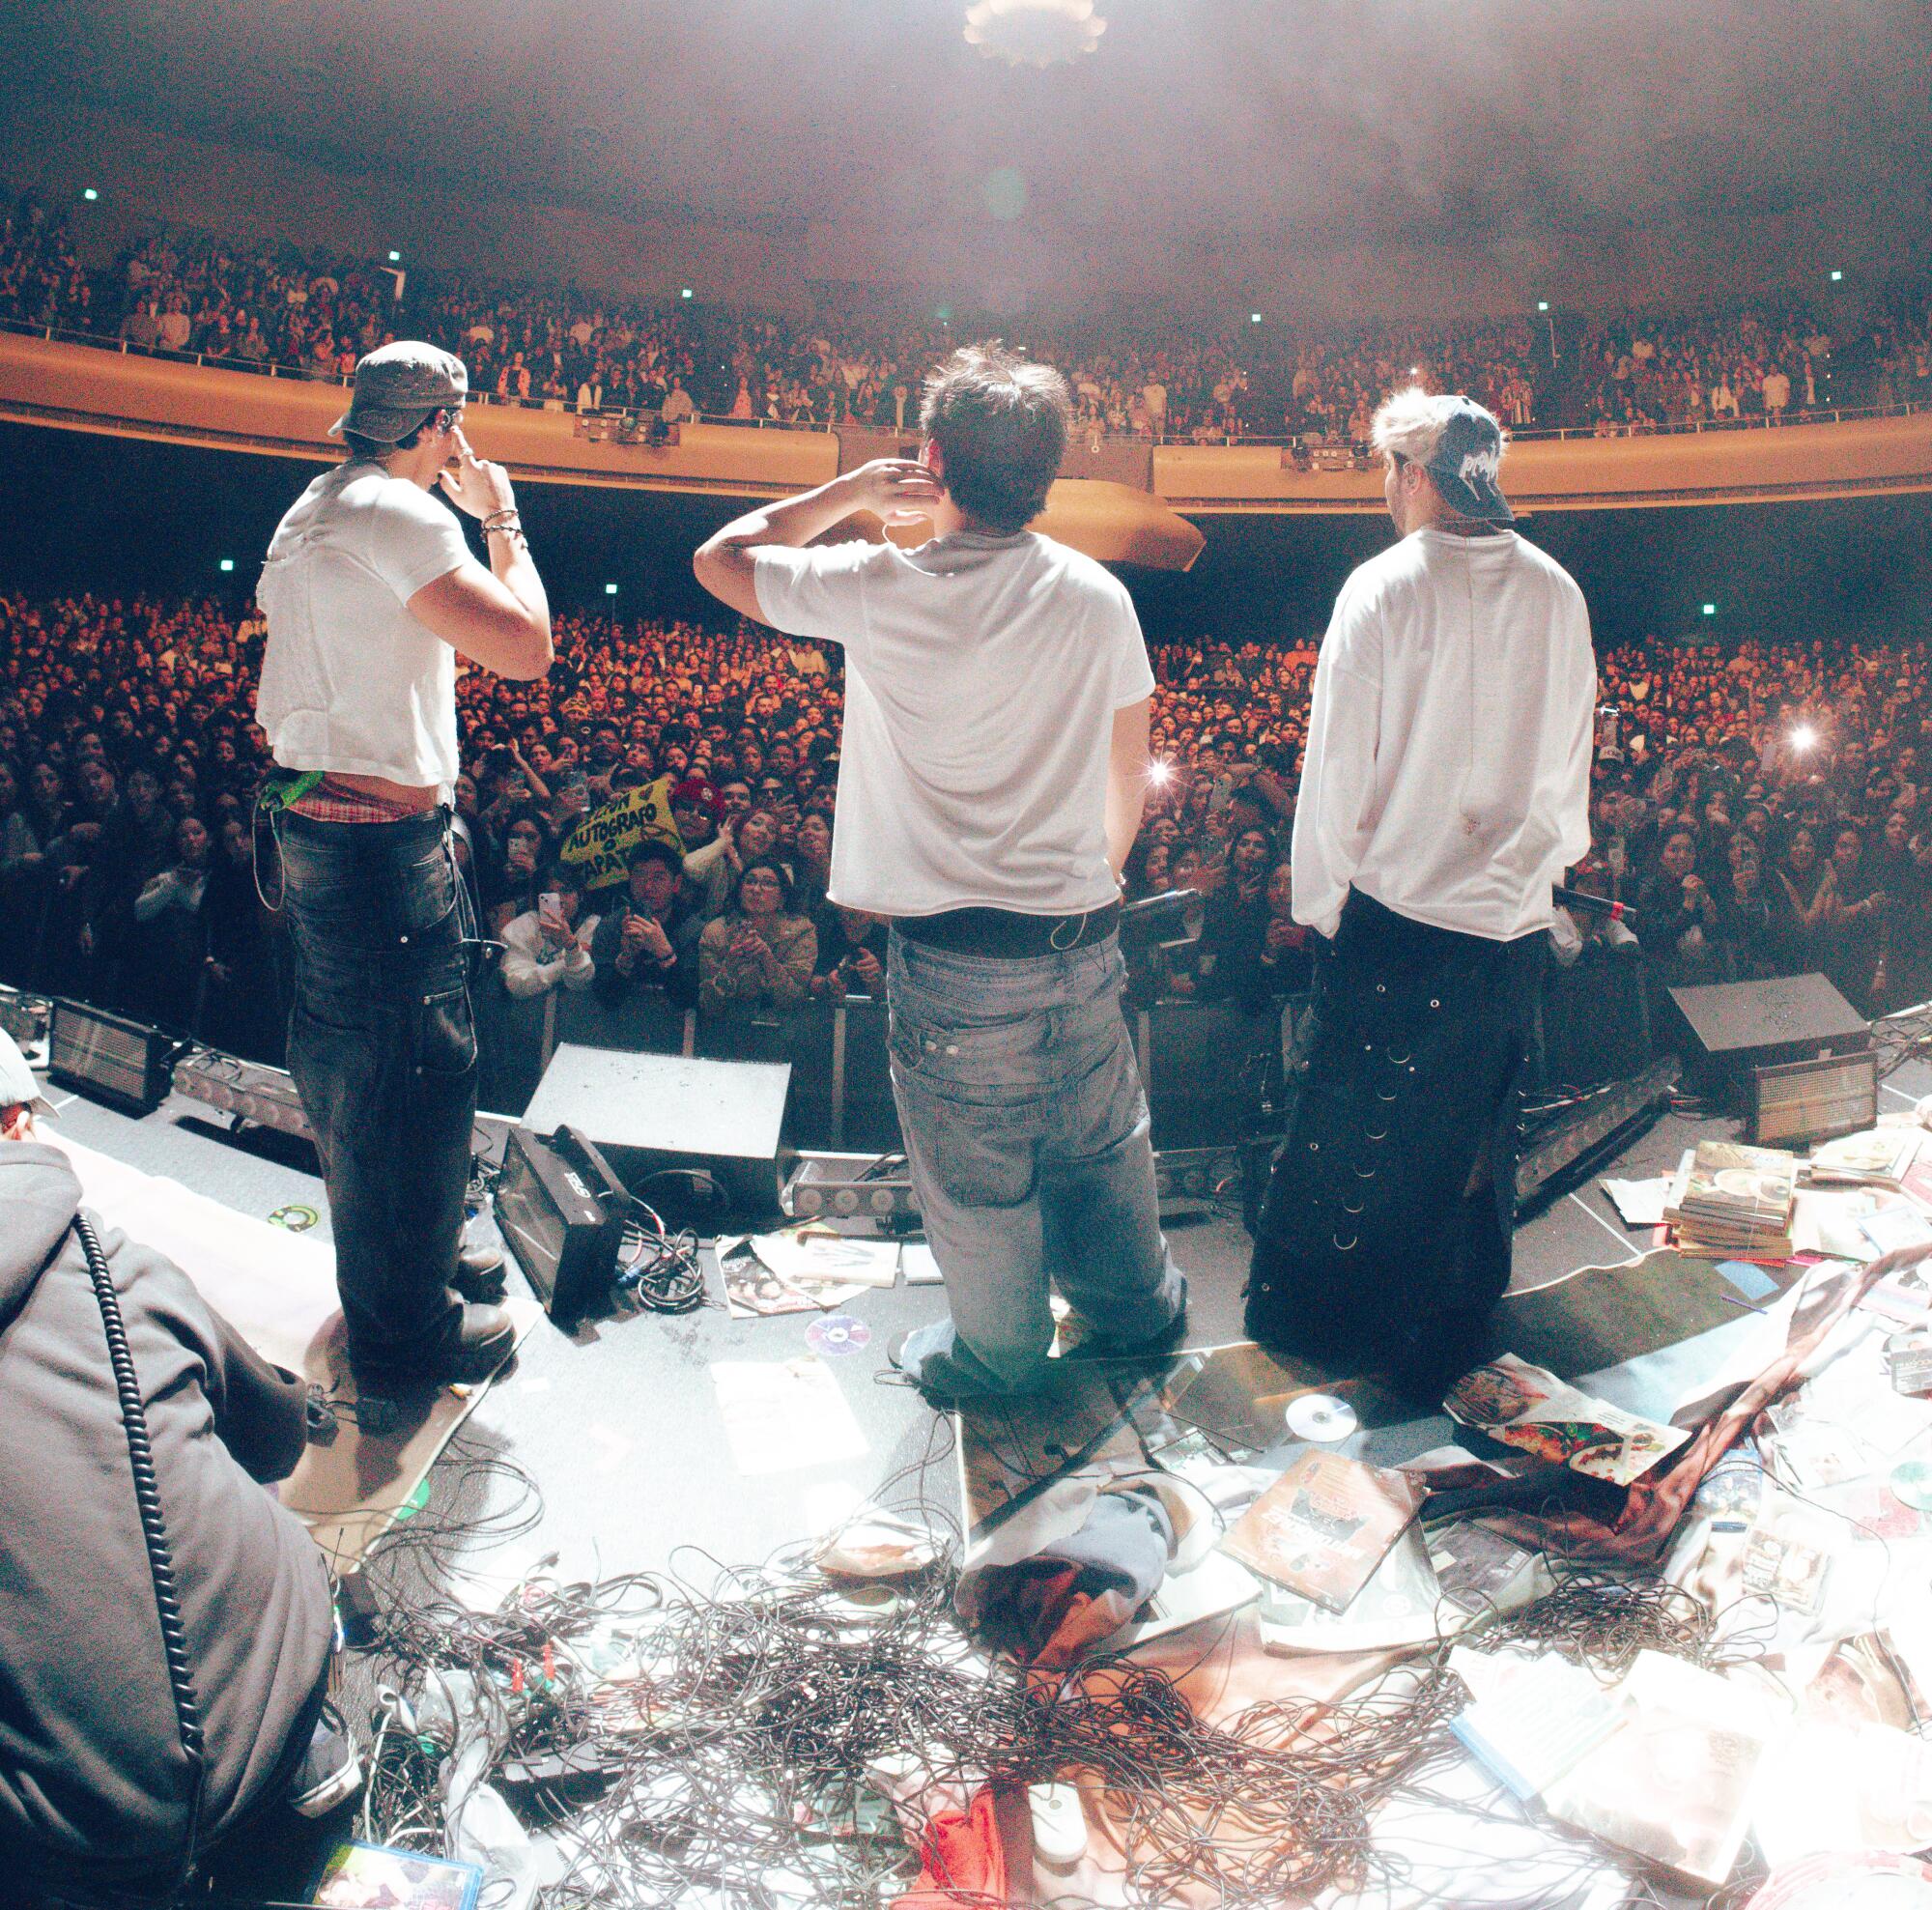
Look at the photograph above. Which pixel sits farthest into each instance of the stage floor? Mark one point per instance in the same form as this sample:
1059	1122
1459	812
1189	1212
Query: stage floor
619	1421
619	1425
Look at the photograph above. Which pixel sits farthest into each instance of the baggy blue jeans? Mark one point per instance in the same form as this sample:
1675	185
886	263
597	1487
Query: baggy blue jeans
1026	1132
383	1048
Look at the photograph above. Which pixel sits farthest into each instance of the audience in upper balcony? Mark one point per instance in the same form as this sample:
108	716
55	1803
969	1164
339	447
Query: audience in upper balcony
316	313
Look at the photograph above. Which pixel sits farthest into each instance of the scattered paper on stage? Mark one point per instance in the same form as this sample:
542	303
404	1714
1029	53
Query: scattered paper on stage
784	1415
1533	1719
1673	1783
804	1254
1639	1203
276	1289
1524	1405
754	1291
921	1268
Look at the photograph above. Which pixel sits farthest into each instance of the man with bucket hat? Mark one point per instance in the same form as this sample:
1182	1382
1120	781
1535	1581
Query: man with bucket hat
371	592
1447	789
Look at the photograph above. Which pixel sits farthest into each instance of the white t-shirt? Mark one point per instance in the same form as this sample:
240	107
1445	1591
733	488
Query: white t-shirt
981	677
351	680
1449	736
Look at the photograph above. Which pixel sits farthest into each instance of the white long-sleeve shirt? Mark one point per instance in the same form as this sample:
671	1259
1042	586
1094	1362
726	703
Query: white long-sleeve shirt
1448	765
533	966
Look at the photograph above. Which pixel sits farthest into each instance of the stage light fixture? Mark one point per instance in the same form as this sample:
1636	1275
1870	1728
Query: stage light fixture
226	564
90	194
109	1058
1033	33
245	1090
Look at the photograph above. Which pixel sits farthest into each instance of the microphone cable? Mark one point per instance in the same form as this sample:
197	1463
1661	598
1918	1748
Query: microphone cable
153	1533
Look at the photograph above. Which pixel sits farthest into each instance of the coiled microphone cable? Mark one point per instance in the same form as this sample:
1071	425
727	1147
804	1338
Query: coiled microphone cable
153	1533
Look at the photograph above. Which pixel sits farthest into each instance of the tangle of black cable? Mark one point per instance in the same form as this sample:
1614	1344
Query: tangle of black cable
735	1755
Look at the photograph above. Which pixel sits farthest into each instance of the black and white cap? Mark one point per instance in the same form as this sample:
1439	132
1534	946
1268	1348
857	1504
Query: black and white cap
1468	461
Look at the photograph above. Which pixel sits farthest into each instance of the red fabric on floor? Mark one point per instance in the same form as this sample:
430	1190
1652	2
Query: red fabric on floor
962	1860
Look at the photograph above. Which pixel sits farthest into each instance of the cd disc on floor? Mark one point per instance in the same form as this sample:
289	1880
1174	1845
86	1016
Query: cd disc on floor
1912	1484
1321	1417
838	1335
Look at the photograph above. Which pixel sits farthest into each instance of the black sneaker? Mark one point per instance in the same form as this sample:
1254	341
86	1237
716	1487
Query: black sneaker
486	1337
331	1770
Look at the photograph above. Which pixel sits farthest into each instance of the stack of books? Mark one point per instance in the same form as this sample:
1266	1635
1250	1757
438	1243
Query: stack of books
1729	1201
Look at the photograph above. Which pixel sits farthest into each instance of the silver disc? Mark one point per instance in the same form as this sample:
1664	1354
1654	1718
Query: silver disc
1321	1417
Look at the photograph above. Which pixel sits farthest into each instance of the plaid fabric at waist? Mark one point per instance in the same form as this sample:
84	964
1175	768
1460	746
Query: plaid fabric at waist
331	801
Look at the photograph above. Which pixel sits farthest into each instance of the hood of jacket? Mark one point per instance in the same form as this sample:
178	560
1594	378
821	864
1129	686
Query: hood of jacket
39	1196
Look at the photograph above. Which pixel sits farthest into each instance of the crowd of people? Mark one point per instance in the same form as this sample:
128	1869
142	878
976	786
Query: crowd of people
1760	807
253	305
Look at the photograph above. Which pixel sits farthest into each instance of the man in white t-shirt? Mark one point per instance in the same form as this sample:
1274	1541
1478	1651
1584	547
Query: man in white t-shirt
1445	792
370	592
992	772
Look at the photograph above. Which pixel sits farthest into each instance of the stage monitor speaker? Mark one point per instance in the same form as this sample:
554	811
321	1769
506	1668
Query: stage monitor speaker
1738	1026
658	1116
562	1214
126	1064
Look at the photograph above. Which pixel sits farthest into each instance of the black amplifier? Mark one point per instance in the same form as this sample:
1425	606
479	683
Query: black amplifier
561	1211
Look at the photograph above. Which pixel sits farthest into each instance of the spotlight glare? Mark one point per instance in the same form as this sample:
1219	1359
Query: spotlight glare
90	196
610	589
227	563
396	257
1254	318
1709	609
1159	770
684	292
1804	736
1836	277
1543	304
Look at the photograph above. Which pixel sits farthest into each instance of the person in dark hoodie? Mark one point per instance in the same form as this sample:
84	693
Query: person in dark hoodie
96	1789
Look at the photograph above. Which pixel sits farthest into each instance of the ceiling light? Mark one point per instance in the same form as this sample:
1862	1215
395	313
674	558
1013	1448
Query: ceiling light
1033	33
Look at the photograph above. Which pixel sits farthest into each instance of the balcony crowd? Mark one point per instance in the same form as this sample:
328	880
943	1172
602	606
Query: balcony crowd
313	314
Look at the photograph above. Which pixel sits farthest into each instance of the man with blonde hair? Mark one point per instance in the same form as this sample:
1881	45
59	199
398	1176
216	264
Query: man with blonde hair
1445	792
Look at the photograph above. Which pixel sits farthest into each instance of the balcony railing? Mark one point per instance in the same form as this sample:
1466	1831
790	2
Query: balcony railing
1306	441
